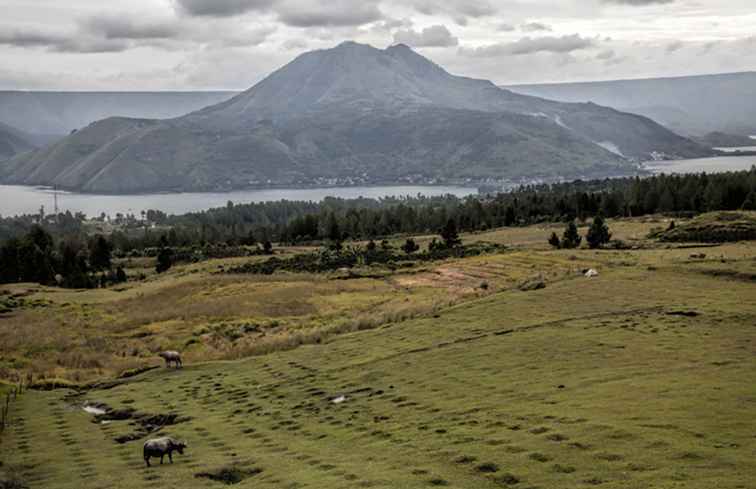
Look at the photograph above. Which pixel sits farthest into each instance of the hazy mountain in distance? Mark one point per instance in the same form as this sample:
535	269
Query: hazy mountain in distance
51	114
723	140
690	105
354	114
13	142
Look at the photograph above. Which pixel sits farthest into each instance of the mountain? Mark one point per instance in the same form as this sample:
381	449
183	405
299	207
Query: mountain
51	114
722	140
13	142
691	105
352	114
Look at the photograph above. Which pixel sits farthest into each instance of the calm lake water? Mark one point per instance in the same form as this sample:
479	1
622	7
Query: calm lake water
737	148
15	200
708	165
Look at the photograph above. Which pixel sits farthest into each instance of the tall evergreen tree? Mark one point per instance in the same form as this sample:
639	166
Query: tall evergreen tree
554	241
450	235
571	238
598	233
100	251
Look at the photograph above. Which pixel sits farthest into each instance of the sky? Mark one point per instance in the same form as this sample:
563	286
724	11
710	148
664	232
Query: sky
233	44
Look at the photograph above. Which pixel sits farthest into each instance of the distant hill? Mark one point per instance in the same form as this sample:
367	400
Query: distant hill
722	140
13	142
352	114
691	105
58	113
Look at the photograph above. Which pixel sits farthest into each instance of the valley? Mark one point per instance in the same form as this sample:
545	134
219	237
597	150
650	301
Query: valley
636	376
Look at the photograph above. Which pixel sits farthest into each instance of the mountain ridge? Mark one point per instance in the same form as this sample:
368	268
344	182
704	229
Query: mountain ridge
13	142
357	114
677	102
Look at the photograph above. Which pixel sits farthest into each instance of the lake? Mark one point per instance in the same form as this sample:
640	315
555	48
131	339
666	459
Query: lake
15	200
735	149
717	164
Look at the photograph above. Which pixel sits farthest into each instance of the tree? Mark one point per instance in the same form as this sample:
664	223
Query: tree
554	241
571	238
100	251
598	233
267	247
410	246
749	204
164	257
449	234
121	275
9	268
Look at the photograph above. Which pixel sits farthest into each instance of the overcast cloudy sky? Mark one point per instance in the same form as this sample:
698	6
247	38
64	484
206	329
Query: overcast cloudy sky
231	44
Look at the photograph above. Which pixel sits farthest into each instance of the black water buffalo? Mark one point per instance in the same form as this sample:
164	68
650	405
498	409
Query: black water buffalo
171	357
160	447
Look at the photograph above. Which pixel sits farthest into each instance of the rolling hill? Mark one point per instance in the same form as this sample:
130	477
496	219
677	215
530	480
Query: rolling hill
13	142
350	114
692	105
58	113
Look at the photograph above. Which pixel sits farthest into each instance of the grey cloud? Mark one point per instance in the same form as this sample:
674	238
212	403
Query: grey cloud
220	8
535	27
59	42
481	8
328	13
434	36
295	44
529	45
458	10
125	27
638	2
505	28
606	54
674	46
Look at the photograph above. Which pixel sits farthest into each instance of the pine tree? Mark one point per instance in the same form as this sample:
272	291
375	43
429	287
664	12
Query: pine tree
571	237
165	257
449	234
100	251
554	241
598	233
749	204
410	246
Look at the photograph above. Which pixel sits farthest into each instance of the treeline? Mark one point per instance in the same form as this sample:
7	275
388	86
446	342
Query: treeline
71	262
339	219
53	249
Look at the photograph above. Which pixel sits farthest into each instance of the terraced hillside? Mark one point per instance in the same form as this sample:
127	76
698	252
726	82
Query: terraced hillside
640	377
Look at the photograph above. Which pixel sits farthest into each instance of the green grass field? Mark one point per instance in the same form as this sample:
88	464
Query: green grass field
641	377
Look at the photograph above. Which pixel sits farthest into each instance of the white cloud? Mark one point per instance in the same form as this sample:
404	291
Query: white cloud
434	36
156	44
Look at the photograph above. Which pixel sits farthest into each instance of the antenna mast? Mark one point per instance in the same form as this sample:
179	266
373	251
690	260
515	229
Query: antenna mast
55	200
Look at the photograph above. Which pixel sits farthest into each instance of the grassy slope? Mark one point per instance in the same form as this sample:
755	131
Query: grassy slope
649	399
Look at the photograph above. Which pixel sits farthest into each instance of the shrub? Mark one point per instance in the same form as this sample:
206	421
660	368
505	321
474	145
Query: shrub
410	246
598	233
571	237
554	241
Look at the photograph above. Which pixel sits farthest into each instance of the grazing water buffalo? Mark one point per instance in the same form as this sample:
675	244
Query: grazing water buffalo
159	447
172	357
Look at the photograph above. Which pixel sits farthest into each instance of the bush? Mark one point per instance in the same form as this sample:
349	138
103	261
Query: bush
554	241
164	260
598	233
571	237
410	246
